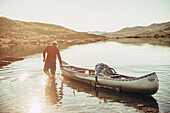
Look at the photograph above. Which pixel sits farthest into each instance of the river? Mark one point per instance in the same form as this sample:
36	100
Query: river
25	88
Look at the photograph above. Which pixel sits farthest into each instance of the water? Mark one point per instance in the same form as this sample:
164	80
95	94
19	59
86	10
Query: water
22	50
25	89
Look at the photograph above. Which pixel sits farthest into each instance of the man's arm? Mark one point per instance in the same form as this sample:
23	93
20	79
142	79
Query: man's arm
44	52
59	57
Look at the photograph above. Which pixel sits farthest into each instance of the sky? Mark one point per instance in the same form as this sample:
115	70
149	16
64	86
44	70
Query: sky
88	15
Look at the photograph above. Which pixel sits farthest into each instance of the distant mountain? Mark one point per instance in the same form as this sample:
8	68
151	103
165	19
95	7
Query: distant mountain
97	32
14	30
161	29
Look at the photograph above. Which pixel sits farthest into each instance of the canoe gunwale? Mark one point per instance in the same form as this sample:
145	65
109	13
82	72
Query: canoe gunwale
115	79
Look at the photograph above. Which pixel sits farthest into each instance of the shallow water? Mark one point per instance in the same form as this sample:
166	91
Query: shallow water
25	88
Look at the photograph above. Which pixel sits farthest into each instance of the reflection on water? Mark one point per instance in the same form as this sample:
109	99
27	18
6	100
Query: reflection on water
24	88
141	102
53	96
19	51
116	54
24	50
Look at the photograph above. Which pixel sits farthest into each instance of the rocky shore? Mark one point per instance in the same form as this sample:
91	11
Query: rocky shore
8	60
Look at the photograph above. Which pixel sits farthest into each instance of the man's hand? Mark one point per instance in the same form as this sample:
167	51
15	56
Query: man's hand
61	65
44	60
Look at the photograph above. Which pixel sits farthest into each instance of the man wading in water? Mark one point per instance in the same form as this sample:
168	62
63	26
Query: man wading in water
50	60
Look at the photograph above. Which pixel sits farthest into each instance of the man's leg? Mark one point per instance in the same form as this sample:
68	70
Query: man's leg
53	76
53	69
47	73
46	69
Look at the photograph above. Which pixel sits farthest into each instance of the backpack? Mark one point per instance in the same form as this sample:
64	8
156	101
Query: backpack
101	69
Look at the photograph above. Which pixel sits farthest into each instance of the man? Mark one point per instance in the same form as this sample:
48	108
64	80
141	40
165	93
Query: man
50	60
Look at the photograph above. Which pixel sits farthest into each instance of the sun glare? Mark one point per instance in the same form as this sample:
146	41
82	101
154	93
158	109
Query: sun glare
35	106
43	82
24	76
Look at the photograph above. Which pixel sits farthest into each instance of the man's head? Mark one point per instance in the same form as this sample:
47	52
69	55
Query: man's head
55	43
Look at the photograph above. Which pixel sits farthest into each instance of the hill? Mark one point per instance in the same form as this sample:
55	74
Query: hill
19	32
159	29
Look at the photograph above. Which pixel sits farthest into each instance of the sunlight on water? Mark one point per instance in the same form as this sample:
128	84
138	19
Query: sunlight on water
24	76
35	106
43	82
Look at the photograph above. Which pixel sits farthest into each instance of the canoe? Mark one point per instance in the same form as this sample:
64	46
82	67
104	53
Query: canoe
147	84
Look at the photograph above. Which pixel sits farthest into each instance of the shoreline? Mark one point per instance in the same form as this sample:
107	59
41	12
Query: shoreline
138	41
13	52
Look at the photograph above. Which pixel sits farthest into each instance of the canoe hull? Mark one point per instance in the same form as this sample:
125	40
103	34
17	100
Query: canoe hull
147	84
